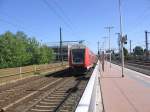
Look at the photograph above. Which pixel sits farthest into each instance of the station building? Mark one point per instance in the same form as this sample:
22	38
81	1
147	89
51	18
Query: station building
65	52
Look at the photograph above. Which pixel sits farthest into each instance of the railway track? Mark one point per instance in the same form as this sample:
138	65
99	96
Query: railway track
54	93
20	91
52	101
14	91
140	63
145	69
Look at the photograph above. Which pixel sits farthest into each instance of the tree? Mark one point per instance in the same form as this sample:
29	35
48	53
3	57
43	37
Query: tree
7	49
33	50
138	50
125	53
46	54
20	50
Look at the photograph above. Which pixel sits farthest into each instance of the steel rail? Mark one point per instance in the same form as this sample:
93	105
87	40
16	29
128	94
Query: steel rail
65	98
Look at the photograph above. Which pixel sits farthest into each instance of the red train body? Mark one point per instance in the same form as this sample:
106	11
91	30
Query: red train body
81	58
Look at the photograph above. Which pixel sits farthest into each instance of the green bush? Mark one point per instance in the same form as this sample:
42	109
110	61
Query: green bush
20	50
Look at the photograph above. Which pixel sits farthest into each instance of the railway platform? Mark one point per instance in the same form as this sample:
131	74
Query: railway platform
128	94
107	91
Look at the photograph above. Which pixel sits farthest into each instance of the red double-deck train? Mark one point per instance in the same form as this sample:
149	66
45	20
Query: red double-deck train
81	58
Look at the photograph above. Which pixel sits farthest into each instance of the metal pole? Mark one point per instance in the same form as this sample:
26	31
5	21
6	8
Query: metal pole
109	49
109	28
130	47
146	41
122	44
103	61
98	49
61	56
104	44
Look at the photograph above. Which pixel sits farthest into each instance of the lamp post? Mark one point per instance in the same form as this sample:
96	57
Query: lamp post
121	39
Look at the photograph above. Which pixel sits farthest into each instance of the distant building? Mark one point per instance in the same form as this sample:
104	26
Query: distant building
65	52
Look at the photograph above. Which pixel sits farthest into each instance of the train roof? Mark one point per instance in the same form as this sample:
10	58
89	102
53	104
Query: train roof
78	46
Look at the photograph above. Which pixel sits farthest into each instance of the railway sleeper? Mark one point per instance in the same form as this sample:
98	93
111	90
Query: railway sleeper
59	93
39	106
48	103
57	97
64	111
50	108
45	106
54	100
41	110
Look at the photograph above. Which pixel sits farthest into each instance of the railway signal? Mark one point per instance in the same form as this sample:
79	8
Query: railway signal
124	39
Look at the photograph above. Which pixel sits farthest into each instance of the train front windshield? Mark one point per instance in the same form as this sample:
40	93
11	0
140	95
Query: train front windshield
78	56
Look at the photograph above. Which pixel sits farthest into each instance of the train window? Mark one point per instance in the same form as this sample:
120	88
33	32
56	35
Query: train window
78	56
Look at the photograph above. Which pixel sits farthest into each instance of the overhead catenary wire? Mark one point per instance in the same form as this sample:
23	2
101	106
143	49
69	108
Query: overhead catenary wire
23	28
12	17
58	5
63	12
61	15
53	9
67	22
139	22
13	24
140	19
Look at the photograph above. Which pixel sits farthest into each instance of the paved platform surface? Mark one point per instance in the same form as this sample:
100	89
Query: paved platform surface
128	94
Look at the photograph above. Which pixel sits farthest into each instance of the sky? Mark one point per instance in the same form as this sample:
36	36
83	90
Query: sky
79	20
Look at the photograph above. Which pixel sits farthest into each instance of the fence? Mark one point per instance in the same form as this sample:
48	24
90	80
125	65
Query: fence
33	68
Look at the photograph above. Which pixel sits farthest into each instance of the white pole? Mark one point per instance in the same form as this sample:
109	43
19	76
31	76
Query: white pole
122	44
109	28
109	49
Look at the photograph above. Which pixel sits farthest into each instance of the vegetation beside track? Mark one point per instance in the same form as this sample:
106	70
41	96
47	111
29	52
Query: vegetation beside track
20	50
